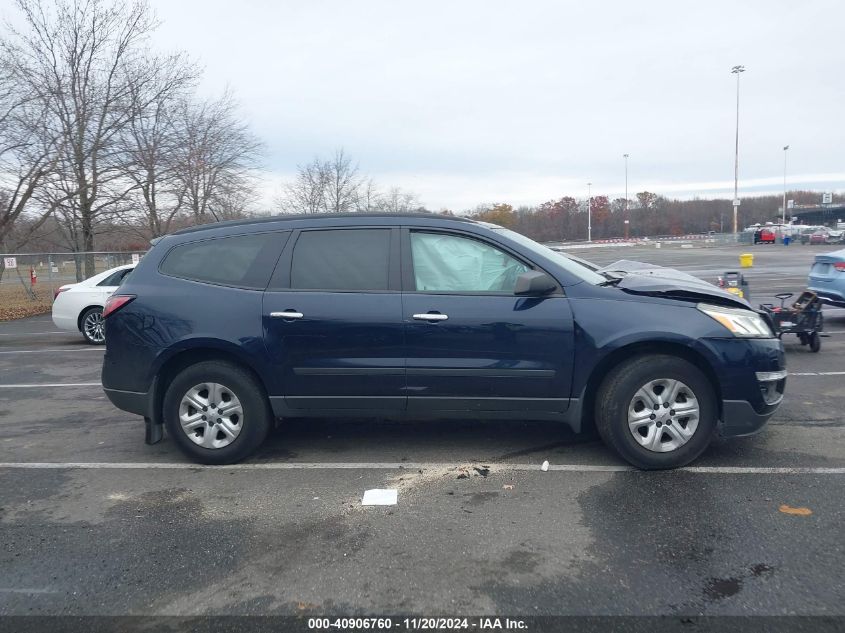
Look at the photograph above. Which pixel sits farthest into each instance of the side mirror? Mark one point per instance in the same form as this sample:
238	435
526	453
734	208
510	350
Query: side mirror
533	284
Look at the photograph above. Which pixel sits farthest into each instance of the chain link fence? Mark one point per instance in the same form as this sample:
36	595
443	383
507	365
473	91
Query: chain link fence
29	281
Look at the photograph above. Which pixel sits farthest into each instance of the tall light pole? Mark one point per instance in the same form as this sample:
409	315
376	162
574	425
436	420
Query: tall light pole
589	212
627	222
785	148
736	70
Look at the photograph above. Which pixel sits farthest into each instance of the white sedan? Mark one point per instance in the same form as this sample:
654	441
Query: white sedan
79	307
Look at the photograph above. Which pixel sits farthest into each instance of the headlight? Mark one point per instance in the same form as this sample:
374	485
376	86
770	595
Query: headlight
742	323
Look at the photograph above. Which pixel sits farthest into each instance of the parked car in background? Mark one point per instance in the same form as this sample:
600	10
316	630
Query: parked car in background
765	236
79	307
806	232
226	327
819	236
827	278
836	236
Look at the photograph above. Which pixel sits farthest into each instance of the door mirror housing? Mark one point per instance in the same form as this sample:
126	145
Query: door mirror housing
534	284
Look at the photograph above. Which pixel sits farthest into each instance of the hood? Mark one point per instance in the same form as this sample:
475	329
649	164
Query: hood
648	279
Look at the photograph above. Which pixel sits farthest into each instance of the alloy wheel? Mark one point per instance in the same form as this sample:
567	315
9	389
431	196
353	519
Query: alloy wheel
93	326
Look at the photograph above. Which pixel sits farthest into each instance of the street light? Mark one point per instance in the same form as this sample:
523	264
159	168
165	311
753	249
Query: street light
736	70
785	148
626	195
589	212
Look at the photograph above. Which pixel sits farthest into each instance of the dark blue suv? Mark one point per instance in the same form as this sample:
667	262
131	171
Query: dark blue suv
223	329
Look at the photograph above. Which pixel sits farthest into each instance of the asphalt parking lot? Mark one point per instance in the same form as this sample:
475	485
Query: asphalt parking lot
95	522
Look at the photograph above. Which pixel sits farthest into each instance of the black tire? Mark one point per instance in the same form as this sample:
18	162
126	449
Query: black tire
255	422
815	342
91	326
617	392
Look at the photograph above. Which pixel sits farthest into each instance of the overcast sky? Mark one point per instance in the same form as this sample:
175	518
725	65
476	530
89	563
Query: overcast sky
522	101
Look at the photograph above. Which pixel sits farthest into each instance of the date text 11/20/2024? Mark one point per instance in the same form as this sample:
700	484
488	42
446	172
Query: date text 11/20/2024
418	624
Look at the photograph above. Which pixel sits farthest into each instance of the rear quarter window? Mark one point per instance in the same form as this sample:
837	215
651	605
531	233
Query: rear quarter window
241	261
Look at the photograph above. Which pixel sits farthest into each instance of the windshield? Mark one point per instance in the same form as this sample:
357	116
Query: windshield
579	270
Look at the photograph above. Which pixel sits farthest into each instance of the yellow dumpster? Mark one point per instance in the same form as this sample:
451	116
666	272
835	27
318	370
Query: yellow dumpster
746	260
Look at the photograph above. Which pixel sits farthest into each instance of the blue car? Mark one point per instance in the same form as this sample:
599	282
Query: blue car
224	329
827	278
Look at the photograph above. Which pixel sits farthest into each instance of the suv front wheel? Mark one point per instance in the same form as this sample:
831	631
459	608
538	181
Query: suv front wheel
656	411
216	412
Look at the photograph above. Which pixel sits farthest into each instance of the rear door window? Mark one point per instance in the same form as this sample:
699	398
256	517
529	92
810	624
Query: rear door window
116	278
242	261
341	259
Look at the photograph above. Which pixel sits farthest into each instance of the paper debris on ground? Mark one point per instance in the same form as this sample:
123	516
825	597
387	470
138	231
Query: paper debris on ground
545	466
380	497
507	487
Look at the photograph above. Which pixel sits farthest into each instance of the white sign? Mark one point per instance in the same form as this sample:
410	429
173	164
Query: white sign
736	202
827	198
10	262
790	204
135	258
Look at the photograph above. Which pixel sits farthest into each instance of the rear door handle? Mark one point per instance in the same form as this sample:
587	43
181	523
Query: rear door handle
287	314
431	316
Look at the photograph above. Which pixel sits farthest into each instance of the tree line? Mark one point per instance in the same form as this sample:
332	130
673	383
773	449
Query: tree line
649	214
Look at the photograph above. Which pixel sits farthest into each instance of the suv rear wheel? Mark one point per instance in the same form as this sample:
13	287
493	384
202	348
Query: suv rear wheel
656	411
216	412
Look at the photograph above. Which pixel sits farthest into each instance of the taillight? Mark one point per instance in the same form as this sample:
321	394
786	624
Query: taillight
58	292
115	303
840	266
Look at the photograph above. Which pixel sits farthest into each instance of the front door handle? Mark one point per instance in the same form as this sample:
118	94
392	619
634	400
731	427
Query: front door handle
287	314
431	316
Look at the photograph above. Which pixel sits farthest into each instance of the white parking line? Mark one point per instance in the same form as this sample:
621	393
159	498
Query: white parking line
33	333
53	384
817	373
52	351
576	468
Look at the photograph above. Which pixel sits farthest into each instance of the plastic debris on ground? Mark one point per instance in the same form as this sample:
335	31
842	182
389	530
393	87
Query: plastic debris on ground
380	497
545	466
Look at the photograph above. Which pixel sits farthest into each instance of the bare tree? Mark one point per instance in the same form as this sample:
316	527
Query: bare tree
216	153
150	145
82	59
343	183
307	192
324	186
233	204
398	201
369	197
28	157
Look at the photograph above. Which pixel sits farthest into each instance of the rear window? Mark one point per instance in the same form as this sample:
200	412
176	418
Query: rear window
116	278
243	261
341	259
